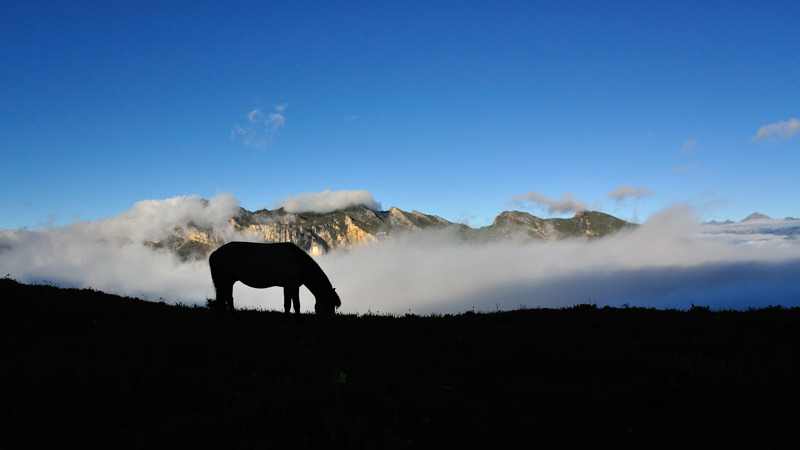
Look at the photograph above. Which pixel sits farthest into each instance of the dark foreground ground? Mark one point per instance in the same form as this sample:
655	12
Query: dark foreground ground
84	369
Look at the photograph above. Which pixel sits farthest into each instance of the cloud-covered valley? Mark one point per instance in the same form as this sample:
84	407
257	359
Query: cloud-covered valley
670	261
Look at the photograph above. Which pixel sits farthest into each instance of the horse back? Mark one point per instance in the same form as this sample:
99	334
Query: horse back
259	265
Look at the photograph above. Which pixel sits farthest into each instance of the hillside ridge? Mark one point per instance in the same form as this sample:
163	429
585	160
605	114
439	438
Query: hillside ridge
120	372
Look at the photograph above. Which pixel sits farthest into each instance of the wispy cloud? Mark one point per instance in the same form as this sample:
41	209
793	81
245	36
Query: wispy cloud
260	126
623	192
565	204
684	168
783	130
276	120
687	146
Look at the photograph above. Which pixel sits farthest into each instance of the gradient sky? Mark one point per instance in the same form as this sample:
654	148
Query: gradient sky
460	109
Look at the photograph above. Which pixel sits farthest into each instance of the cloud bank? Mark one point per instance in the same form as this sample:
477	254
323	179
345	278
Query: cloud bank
110	255
327	201
783	130
668	262
564	204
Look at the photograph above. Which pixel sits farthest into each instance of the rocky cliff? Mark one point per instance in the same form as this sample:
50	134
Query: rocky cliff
320	233
346	229
524	226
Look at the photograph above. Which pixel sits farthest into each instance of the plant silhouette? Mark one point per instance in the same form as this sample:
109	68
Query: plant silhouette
266	265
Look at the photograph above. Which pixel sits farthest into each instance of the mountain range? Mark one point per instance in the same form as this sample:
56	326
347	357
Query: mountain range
355	226
755	217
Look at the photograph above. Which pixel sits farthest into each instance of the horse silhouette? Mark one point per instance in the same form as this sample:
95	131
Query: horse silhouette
266	265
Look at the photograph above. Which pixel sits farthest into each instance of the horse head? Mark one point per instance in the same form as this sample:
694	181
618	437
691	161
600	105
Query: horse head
328	303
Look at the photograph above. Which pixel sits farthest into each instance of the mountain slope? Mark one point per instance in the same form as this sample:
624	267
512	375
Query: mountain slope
352	227
586	224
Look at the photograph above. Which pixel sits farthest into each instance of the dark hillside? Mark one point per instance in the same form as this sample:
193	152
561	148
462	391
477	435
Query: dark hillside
85	369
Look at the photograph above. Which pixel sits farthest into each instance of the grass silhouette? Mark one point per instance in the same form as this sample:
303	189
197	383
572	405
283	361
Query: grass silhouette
83	368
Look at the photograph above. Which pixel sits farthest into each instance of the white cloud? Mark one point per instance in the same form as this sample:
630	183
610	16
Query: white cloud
260	127
276	120
255	116
249	136
623	192
782	130
564	204
110	255
327	201
156	218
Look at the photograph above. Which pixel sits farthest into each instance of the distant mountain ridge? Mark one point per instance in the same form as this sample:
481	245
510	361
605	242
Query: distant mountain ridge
356	226
757	216
754	217
585	224
756	227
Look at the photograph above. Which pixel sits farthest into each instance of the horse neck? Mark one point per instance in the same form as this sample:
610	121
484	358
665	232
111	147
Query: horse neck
316	281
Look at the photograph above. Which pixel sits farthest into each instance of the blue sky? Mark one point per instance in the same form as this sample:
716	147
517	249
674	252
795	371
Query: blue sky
460	109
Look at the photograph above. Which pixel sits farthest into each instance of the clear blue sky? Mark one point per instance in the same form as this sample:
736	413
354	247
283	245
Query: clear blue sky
449	108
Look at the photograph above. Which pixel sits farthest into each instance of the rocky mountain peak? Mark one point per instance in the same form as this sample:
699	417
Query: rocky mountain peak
756	216
349	228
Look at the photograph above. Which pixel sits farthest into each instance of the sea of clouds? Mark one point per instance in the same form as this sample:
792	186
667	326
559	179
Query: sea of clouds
670	261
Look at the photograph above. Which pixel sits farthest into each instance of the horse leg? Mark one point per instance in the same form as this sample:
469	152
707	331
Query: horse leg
291	296
224	295
296	300
287	300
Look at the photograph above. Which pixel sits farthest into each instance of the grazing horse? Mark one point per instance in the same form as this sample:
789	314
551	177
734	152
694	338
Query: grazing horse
266	265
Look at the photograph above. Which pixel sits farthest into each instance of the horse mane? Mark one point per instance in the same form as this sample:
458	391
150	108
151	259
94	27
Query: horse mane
318	281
